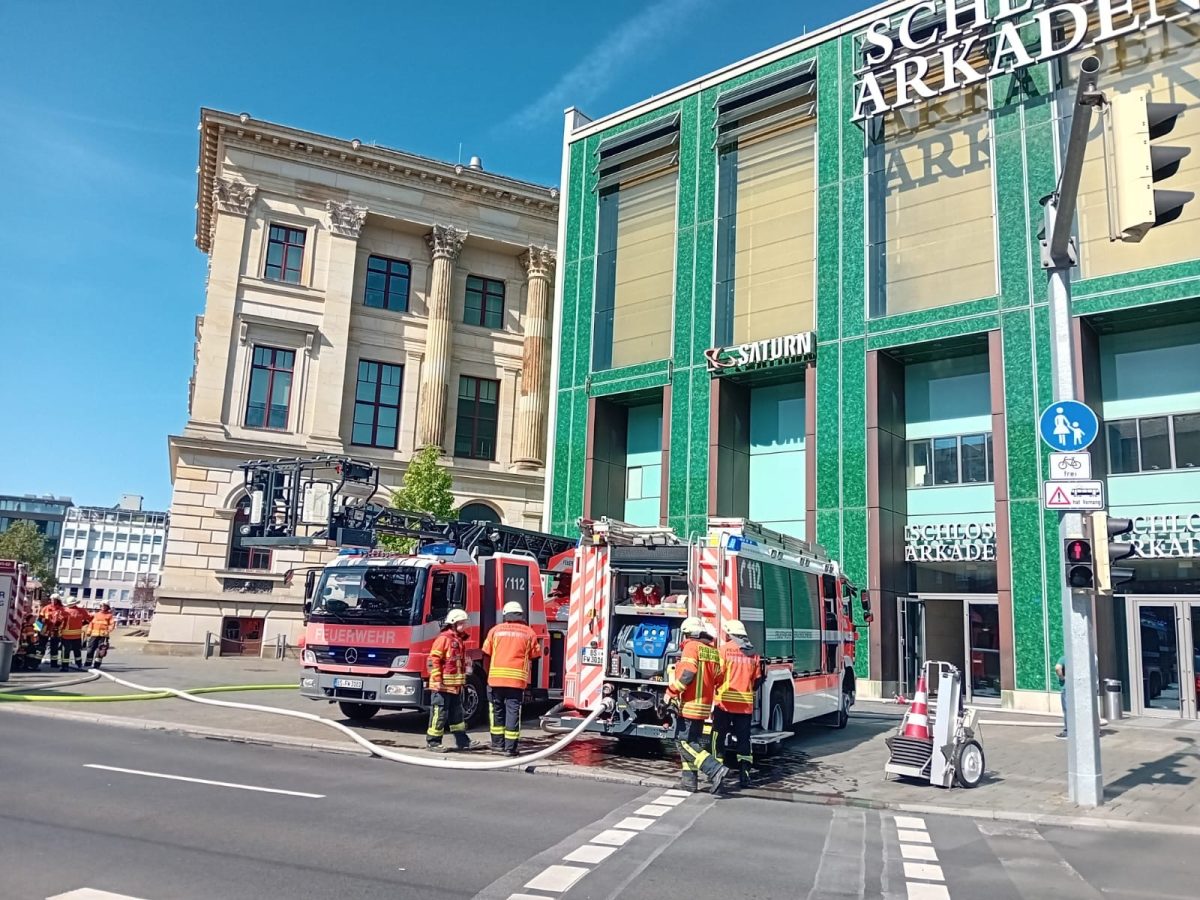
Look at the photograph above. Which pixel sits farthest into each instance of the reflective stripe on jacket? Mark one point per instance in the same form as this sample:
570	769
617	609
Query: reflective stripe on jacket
448	663
704	662
102	624
74	618
511	646
742	668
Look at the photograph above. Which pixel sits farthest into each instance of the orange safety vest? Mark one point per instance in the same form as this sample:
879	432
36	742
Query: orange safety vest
696	698
448	663
511	646
52	619
742	667
74	618
102	624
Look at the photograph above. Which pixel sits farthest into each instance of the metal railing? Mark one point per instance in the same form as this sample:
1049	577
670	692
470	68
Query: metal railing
278	644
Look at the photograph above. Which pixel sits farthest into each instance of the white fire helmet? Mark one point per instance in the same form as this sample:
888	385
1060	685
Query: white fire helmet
692	626
455	616
735	628
513	608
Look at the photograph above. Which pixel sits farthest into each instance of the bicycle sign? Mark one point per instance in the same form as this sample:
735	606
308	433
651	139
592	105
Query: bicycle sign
1070	466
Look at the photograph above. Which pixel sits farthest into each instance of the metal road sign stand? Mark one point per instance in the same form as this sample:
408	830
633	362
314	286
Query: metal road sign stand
1085	783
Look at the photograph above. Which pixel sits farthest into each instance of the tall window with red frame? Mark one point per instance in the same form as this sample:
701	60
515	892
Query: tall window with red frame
241	557
478	413
270	388
285	254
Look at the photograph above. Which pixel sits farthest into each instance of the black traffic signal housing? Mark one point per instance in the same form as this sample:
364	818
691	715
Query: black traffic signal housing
1077	557
1104	528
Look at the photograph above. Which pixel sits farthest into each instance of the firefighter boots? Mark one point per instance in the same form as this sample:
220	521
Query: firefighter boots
744	775
716	773
687	782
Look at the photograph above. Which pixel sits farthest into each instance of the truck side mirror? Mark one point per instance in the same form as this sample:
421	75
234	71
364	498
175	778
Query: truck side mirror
868	615
310	581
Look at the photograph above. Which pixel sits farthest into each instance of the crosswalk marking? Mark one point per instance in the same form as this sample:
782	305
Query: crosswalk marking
91	894
633	823
913	837
923	878
922	871
918	851
557	878
652	809
590	853
613	836
920	890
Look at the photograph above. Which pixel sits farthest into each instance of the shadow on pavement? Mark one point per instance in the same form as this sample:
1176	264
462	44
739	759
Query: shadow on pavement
1167	770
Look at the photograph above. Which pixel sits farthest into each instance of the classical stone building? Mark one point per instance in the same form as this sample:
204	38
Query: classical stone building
360	301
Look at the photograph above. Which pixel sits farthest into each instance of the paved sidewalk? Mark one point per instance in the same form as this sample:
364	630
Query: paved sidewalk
1152	767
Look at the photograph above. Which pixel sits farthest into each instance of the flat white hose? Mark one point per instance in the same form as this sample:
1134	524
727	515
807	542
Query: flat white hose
382	752
82	679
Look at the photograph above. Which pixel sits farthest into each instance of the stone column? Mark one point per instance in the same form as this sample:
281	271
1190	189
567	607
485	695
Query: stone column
346	221
445	242
533	403
232	202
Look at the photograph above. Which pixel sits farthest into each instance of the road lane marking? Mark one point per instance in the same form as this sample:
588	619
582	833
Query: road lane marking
614	837
918	851
923	872
91	894
922	880
914	837
910	822
633	823
225	784
590	853
652	809
669	801
919	890
675	792
557	878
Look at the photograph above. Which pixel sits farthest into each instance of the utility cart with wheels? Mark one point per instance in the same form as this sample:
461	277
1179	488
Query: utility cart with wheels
939	740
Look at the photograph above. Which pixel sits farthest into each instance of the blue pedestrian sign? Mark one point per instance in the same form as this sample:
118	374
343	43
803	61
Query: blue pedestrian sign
1068	425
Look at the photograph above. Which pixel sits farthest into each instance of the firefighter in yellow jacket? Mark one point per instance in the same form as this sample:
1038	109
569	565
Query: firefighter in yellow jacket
697	675
447	678
511	648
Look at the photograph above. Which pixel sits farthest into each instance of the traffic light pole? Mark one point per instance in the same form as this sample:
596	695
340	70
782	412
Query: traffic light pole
1085	783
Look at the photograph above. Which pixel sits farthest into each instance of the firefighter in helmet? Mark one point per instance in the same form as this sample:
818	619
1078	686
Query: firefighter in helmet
447	678
697	674
742	670
99	632
511	648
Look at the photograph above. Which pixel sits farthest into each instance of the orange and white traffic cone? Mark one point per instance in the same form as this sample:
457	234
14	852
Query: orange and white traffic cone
916	723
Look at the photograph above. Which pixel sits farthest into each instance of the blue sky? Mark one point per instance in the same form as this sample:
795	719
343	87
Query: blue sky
99	278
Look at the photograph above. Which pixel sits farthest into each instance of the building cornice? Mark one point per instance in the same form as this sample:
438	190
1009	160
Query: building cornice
381	163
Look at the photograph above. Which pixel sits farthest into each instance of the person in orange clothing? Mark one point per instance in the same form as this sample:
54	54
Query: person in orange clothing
735	698
691	691
511	648
50	643
98	634
75	617
447	676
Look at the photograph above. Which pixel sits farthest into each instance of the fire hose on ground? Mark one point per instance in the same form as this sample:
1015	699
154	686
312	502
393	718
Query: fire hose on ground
375	749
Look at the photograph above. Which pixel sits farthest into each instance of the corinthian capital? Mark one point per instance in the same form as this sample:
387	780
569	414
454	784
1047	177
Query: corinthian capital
345	218
235	197
445	242
539	262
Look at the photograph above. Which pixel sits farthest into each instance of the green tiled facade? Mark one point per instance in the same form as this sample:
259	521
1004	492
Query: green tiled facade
1024	166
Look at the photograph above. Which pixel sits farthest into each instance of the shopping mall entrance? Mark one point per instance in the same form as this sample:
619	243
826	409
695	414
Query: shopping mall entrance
1164	650
962	629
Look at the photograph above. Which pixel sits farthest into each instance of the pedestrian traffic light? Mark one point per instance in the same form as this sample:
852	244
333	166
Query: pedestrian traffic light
1077	557
1108	551
1134	204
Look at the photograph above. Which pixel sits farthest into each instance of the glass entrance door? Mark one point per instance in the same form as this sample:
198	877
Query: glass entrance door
1165	654
911	616
983	651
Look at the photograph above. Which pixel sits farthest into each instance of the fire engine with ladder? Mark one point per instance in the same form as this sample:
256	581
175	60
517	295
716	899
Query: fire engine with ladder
632	588
372	614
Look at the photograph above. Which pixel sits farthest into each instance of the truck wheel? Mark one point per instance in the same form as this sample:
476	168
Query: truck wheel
841	718
779	718
358	712
968	764
474	701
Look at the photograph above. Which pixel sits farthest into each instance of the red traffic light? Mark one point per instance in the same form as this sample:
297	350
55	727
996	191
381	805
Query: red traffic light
1079	551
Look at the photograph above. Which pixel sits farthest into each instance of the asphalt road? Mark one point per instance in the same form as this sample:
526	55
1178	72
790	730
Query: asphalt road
73	830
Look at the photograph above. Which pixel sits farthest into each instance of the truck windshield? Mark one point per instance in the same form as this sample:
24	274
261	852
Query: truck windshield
374	595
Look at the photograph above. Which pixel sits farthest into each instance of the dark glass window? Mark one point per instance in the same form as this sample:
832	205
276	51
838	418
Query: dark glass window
991	471
387	283
245	557
945	460
485	302
478	413
285	254
920	468
270	388
1155	440
1187	441
478	512
975	458
1122	447
377	405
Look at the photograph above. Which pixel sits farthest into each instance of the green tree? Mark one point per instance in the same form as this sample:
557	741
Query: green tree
24	543
425	489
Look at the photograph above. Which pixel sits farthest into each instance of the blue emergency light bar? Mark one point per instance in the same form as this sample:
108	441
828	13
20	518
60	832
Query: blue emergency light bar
442	549
352	551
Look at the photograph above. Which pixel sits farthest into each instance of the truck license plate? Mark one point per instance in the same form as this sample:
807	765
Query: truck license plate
592	656
348	683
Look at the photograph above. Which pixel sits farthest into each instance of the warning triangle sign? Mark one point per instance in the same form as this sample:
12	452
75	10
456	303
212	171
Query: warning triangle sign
1058	498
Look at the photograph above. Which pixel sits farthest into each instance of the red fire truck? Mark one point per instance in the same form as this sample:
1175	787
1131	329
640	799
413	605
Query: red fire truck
371	615
632	587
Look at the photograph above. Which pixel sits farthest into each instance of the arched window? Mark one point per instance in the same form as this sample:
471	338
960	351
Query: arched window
241	557
479	512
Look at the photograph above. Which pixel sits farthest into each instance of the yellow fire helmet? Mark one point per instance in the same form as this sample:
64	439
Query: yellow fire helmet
735	628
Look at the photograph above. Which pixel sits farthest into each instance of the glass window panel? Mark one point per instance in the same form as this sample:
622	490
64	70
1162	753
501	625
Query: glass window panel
364	413
274	254
462	443
651	481
389	394
294	257
365	391
633	483
920	471
466	387
390	375
975	459
1187	443
385	437
493	318
945	460
284	359
475	284
376	264
362	434
387	416
1155	443
1122	446
930	157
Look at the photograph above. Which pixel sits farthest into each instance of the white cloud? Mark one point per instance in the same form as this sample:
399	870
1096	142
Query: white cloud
587	78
